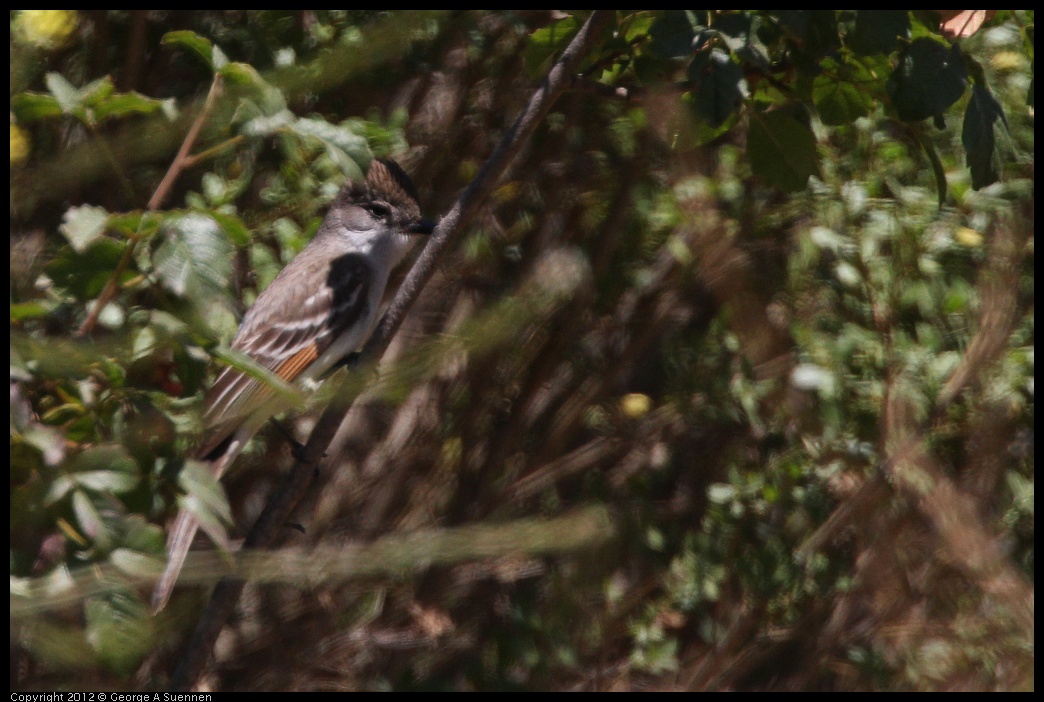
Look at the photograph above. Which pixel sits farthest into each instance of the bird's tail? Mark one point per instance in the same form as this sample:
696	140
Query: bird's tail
179	540
183	531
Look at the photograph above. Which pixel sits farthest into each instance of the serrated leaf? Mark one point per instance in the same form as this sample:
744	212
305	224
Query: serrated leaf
194	259
84	225
198	45
782	150
718	86
927	80
839	93
977	135
838	100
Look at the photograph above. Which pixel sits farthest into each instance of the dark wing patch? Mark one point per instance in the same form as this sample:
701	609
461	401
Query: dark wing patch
293	332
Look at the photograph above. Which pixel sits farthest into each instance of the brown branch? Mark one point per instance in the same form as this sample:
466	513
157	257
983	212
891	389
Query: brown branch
283	500
162	190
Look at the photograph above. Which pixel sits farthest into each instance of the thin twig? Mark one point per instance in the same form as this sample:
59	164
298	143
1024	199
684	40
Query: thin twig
162	190
283	500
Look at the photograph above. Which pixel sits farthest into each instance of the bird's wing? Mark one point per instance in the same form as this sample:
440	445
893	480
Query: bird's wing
306	308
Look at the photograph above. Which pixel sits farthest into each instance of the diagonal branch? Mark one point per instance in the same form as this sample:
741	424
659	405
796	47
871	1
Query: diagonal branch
180	163
283	500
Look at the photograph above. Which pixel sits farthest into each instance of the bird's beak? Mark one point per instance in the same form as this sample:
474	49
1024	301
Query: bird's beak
421	226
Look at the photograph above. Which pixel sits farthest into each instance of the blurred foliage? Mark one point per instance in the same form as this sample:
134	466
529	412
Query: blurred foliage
736	290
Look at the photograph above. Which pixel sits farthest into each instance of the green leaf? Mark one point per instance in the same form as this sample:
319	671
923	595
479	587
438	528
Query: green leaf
143	224
839	96
142	536
109	481
877	31
34	309
813	35
96	91
782	149
200	46
136	564
123	104
89	519
548	41
928	79
739	32
234	227
637	25
82	226
84	275
238	73
31	107
263	124
265	97
205	499
119	629
718	86
105	468
699	132
194	258
673	33
977	135
340	141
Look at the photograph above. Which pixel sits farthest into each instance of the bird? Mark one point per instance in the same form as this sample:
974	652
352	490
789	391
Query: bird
318	310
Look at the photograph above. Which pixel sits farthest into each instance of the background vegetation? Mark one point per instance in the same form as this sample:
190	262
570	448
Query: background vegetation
728	386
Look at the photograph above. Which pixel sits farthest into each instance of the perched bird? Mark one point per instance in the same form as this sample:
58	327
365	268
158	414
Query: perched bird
320	309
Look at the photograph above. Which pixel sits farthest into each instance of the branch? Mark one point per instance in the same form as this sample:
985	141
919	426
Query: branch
180	163
283	500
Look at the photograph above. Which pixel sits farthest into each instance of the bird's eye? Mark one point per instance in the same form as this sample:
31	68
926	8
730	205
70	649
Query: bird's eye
380	209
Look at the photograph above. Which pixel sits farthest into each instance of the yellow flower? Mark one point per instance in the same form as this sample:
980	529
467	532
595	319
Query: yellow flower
48	29
635	405
19	145
969	237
